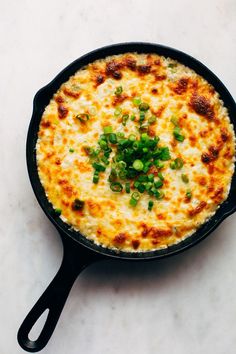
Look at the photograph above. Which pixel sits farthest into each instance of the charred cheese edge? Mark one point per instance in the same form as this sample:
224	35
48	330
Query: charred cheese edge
170	88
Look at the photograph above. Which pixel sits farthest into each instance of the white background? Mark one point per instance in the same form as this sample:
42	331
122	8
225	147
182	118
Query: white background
183	305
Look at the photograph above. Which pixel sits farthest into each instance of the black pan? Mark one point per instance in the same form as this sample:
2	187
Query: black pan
79	252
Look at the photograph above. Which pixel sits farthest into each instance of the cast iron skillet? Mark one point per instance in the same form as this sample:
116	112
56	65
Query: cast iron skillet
79	252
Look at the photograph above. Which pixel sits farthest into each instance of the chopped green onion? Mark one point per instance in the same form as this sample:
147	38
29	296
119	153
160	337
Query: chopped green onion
164	154
184	178
113	175
118	91
105	160
132	117
103	144
58	211
152	119
121	164
136	184
161	195
144	106
144	137
125	117
141	188
158	164
107	129
95	177
160	175
158	184
113	138
123	174
177	135
71	150
120	135
83	117
98	167
132	137
150	205
174	120
145	150
148	186
138	165
135	195
141	116
133	202
151	177
116	187
127	187
143	178
117	112
136	101
189	194
177	164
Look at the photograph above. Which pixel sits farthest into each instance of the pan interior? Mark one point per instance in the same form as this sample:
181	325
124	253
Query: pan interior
42	99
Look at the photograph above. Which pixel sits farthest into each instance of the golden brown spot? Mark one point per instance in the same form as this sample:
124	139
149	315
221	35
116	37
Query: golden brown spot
198	209
119	99
113	69
94	208
59	99
224	134
135	244
218	195
120	238
62	111
57	161
99	79
45	124
182	86
72	94
130	63
202	106
160	77
154	91
144	69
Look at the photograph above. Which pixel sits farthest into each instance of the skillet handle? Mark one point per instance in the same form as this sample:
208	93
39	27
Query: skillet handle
54	298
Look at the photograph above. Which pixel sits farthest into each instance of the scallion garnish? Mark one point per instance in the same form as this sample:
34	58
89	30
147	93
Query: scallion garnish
143	106
116	187
118	91
107	129
58	211
184	178
152	119
138	165
113	138
177	135
83	117
71	150
150	205
98	167
127	187
188	194
117	112
125	117
177	164
136	101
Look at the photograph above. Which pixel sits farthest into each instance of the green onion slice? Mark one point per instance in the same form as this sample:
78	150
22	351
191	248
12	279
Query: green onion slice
116	187
83	117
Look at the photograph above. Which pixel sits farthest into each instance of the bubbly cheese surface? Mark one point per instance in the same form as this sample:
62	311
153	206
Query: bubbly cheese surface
170	89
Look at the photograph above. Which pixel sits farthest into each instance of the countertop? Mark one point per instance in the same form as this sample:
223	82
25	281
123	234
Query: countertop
182	305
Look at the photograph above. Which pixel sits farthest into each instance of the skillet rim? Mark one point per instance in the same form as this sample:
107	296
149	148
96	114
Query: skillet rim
42	98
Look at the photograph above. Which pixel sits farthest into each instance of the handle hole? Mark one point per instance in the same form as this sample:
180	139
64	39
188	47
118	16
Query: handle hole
38	326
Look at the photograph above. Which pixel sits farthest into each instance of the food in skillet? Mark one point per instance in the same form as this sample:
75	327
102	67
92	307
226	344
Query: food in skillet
136	151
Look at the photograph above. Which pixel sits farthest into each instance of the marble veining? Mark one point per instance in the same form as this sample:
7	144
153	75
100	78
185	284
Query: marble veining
185	304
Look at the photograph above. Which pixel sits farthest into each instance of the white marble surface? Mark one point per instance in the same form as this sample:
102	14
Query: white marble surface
183	305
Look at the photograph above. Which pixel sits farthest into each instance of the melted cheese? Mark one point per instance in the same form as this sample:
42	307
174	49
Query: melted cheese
170	88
